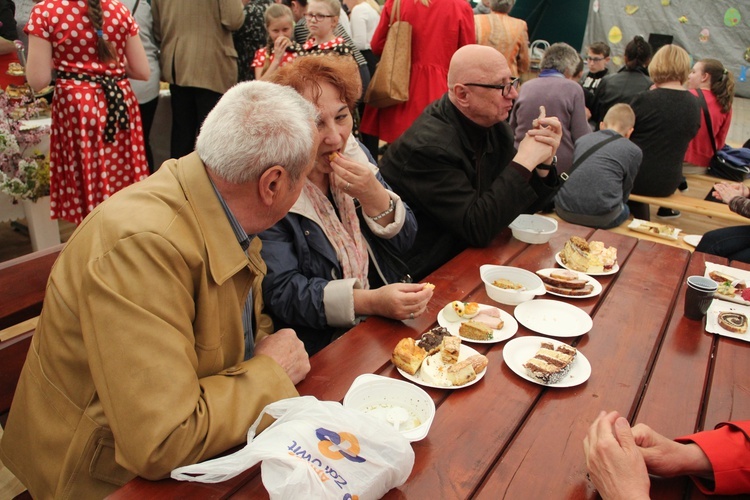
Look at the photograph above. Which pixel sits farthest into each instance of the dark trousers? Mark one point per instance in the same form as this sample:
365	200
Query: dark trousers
730	242
190	105
148	111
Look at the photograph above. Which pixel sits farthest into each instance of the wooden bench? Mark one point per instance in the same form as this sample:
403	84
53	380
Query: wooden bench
689	204
14	344
22	284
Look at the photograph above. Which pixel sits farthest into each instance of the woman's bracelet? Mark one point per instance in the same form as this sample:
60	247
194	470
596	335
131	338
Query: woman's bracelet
390	209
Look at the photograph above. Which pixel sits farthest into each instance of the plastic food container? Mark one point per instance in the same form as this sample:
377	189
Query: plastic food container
531	282
378	395
534	229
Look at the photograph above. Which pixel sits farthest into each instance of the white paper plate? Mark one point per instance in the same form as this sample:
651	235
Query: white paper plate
692	239
614	269
553	318
518	351
642	226
509	328
464	353
712	319
731	271
581	276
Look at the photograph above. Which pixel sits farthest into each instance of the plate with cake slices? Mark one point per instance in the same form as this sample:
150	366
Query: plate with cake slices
569	284
734	284
553	318
481	324
590	271
439	360
655	229
546	362
728	319
591	257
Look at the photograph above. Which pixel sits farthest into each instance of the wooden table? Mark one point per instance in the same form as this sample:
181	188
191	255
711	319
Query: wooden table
507	437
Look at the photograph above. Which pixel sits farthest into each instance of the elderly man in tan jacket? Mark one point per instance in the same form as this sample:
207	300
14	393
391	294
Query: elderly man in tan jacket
198	59
152	351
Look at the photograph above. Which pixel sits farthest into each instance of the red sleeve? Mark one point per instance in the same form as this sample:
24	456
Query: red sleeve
259	59
377	43
466	33
728	449
721	135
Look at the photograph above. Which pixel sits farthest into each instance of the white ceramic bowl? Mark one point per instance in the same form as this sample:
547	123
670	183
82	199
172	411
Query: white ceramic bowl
375	395
534	229
532	283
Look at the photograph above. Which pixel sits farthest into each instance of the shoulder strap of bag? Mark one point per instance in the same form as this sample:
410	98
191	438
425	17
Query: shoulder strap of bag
135	7
593	149
707	116
395	12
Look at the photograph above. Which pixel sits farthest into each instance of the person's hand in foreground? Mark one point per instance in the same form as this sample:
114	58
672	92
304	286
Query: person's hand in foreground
396	301
288	351
725	191
613	459
668	458
540	143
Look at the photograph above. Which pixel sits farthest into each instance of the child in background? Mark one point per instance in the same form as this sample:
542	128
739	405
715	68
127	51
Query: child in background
281	48
322	17
597	191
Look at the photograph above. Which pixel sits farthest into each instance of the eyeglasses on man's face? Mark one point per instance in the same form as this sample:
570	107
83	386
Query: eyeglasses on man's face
317	17
505	87
594	59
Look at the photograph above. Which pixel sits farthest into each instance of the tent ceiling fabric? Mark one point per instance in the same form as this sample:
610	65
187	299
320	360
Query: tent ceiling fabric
686	21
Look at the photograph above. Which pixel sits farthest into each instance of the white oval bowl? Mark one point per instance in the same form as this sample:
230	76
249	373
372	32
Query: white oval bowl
369	390
529	280
534	229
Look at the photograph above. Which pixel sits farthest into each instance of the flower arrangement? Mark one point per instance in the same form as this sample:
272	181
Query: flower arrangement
24	171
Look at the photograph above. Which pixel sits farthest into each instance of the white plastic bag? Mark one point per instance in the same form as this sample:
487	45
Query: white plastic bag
316	449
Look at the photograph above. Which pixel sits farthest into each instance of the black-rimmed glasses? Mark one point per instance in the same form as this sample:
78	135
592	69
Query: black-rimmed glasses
317	17
594	59
505	87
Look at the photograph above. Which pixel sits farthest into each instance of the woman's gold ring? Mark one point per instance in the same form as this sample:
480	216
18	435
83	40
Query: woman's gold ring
346	188
411	315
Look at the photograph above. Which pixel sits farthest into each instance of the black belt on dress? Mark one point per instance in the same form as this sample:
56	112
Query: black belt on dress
117	110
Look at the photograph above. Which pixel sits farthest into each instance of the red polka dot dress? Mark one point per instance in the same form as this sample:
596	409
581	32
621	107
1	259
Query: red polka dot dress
91	157
262	54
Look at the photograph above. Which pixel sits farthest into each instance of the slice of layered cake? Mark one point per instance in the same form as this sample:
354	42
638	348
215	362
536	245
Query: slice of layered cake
550	365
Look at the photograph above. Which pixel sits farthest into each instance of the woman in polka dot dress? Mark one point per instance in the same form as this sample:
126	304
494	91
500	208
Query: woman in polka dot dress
96	146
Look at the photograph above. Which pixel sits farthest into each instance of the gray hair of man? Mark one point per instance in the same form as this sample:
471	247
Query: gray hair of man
254	126
561	57
502	6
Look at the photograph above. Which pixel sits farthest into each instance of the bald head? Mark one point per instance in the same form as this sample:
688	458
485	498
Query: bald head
472	63
476	76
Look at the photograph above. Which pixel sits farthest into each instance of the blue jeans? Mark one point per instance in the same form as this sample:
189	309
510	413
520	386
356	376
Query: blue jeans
730	242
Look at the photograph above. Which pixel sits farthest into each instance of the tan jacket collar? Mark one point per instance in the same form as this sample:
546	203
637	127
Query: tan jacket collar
224	259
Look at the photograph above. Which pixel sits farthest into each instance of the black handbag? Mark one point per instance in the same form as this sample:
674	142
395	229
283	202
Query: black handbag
727	163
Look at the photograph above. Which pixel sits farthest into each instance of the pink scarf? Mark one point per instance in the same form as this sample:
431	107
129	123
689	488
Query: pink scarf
344	234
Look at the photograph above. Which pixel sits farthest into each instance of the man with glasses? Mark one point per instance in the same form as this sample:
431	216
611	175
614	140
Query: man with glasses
597	61
457	168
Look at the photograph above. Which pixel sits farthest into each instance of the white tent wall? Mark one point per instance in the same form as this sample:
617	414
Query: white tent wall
686	20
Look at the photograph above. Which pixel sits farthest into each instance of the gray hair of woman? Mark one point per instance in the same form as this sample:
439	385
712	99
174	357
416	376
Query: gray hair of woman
561	57
254	126
502	6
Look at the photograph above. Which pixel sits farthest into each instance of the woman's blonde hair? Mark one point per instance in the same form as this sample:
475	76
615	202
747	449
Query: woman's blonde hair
334	5
670	63
276	11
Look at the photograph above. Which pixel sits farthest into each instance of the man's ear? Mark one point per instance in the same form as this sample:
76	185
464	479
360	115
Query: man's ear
629	132
271	183
459	91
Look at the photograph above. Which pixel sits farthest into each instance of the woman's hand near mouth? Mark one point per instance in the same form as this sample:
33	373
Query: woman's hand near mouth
359	181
